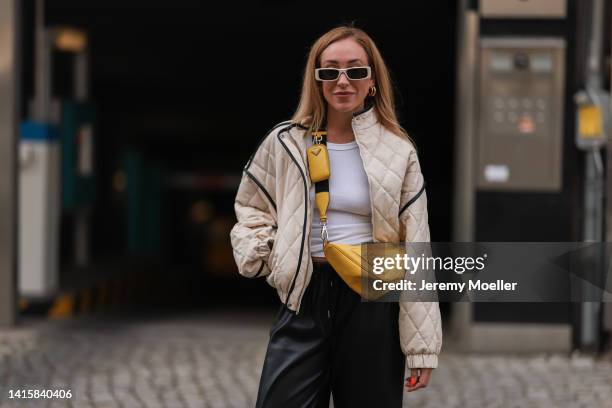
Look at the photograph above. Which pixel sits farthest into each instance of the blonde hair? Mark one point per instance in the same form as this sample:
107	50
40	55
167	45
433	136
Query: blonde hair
312	106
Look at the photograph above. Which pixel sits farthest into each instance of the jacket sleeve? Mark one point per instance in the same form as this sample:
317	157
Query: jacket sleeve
419	322
253	235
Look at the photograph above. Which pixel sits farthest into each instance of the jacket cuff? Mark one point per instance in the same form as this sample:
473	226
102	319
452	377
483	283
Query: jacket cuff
264	271
422	361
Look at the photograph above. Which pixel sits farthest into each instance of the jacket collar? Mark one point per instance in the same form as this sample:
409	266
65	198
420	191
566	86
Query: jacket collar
362	120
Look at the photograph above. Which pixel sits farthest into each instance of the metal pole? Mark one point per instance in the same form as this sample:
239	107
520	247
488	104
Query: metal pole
594	186
593	206
465	132
608	194
42	64
10	13
465	123
81	221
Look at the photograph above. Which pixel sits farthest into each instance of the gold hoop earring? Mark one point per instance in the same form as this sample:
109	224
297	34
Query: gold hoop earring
372	91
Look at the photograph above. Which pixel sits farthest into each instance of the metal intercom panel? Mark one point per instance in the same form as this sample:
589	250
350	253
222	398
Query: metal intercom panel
520	114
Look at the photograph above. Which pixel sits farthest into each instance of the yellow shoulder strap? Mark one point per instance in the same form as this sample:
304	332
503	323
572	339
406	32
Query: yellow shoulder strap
318	167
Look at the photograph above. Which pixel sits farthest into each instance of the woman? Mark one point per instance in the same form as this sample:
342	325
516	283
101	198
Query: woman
324	338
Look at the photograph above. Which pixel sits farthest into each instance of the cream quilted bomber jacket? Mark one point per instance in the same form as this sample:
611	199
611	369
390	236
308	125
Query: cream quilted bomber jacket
271	238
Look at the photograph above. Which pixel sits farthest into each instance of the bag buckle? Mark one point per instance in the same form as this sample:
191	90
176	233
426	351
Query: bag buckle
318	136
324	235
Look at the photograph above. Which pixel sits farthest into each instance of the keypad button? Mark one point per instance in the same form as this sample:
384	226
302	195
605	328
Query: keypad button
527	103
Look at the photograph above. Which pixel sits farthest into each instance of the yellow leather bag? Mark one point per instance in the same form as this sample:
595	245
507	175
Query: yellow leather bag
347	259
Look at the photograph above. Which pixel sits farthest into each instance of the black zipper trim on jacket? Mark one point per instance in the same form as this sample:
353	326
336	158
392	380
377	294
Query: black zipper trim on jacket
413	199
252	177
306	197
367	107
248	163
260	269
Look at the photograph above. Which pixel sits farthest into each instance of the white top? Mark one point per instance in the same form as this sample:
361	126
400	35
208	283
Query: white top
349	215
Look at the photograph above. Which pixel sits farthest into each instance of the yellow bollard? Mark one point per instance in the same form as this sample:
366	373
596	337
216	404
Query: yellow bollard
63	307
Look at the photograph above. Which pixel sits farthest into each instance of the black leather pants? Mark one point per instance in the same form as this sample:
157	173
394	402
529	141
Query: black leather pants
337	344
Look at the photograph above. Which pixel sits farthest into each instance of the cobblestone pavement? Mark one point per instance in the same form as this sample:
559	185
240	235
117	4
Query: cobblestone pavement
214	360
